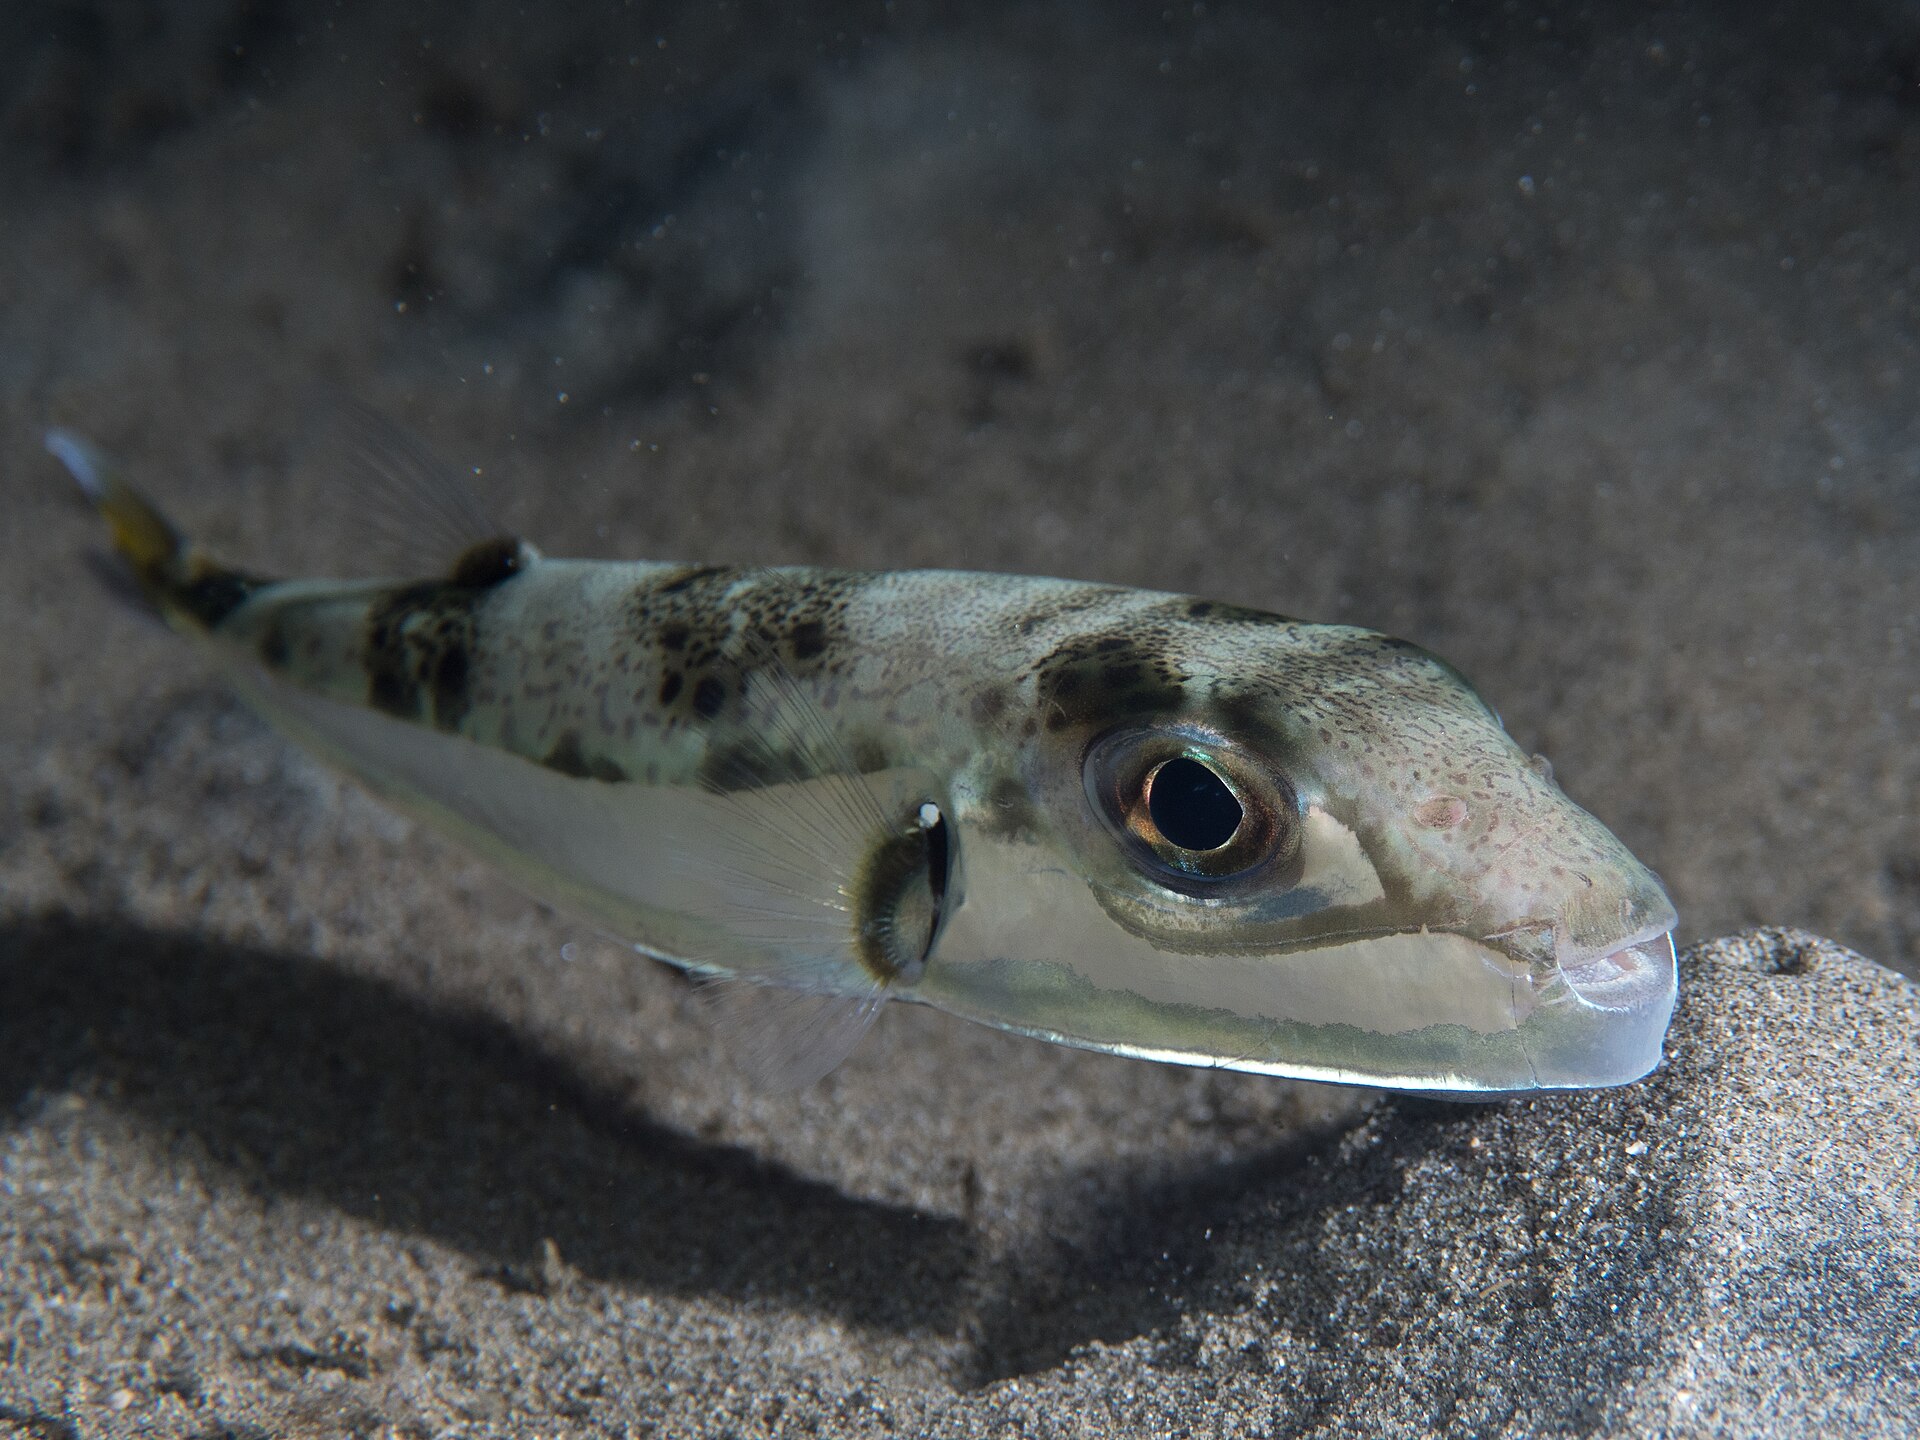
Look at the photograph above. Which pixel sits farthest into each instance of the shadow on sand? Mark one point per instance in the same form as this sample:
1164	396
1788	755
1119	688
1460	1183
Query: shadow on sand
309	1080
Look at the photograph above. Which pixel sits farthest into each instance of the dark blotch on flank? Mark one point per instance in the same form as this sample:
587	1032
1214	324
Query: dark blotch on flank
395	692
708	697
674	636
1010	811
990	704
450	702
1094	681
670	687
486	564
809	638
748	763
392	683
419	649
1248	716
568	758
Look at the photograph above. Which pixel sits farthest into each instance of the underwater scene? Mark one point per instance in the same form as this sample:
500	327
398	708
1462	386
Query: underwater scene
1264	571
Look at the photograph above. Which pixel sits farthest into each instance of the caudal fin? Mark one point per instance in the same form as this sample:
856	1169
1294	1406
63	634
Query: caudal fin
182	583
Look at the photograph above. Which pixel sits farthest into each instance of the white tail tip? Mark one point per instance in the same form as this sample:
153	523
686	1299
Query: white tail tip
83	462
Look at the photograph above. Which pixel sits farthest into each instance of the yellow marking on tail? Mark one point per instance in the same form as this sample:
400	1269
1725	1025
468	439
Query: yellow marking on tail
191	589
146	538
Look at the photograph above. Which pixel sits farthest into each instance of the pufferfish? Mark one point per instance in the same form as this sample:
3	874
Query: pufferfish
1123	820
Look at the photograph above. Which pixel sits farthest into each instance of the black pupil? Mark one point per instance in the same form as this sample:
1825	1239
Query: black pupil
1192	806
939	856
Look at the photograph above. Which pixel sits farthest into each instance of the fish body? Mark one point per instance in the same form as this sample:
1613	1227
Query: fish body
1124	820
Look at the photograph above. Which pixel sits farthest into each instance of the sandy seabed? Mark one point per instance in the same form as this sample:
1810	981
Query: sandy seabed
1577	344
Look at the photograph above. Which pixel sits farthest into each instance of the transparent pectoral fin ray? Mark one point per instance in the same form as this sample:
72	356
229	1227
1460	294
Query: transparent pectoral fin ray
800	822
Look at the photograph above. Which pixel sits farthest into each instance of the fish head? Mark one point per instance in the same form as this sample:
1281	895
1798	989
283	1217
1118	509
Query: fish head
1303	850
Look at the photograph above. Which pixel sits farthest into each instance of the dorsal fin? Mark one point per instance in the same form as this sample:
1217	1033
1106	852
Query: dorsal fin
418	508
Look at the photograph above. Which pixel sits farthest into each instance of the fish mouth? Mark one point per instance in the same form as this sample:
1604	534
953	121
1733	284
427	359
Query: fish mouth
1592	1014
1626	977
1622	973
1600	1012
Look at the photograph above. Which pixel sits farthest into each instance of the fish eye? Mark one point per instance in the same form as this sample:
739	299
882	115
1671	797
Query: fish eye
1190	809
1193	808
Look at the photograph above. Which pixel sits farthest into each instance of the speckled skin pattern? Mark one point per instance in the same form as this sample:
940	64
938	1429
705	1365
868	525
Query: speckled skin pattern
637	672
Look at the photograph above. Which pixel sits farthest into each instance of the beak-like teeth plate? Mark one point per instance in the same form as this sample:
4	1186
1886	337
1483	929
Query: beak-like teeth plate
1624	978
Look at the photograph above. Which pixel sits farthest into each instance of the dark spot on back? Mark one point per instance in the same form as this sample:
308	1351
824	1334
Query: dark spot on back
674	636
1218	612
486	564
689	579
394	693
392	683
670	687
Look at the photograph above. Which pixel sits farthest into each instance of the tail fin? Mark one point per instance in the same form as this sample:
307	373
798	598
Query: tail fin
185	585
